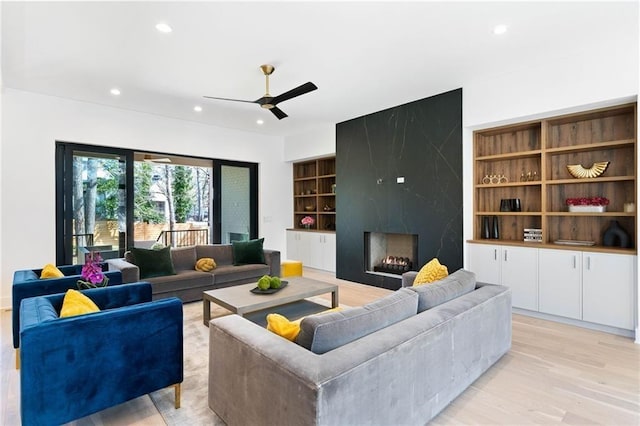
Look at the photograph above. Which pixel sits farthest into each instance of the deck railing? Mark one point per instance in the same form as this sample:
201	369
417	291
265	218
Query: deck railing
185	237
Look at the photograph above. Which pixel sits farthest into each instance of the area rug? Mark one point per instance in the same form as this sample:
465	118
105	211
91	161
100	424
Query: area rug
194	404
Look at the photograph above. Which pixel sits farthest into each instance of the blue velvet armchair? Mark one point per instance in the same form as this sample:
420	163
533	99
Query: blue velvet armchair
75	366
27	283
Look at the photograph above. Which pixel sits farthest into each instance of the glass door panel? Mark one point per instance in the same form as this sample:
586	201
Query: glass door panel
94	204
235	201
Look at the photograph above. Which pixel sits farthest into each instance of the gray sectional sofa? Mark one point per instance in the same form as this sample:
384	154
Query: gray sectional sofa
187	283
399	360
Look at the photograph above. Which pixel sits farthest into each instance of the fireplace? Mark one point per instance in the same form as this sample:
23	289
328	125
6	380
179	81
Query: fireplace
390	254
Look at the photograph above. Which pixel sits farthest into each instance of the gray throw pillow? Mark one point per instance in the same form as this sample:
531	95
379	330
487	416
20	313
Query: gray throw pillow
322	333
153	263
455	285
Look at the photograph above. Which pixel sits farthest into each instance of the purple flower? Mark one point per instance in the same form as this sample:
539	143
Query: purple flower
92	271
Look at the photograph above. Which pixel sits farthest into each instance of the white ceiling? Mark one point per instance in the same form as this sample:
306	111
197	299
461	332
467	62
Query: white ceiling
363	56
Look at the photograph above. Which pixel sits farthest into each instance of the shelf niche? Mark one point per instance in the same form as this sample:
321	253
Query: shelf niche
314	193
546	147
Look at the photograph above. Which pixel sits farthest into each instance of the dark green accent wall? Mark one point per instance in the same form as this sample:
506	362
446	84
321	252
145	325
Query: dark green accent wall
422	142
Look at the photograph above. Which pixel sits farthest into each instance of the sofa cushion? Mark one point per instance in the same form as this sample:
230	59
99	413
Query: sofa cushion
322	333
183	279
153	263
183	258
243	273
455	285
432	271
222	253
248	252
76	303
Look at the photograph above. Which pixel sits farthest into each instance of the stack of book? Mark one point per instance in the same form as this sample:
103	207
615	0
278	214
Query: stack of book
532	235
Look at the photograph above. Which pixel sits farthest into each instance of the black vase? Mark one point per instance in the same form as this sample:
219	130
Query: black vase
495	232
486	232
616	236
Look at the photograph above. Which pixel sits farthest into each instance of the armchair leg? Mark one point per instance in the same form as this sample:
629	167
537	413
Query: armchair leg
178	388
18	359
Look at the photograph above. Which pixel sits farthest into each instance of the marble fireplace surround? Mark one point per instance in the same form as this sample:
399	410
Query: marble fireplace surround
399	171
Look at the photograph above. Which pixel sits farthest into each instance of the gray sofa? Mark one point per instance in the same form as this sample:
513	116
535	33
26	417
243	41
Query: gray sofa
404	373
188	284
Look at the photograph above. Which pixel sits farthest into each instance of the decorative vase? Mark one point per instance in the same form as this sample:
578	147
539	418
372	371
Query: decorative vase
495	231
616	236
486	232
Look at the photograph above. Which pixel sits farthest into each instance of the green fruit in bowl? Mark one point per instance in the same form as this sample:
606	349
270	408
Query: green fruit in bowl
264	282
275	282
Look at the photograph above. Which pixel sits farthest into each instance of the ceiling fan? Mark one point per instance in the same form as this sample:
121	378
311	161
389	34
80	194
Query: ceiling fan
269	102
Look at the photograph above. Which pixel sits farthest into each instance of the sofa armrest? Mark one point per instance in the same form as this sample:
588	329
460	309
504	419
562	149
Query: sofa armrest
130	272
408	278
26	284
272	257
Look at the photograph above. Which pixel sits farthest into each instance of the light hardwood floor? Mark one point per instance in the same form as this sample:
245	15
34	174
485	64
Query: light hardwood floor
554	374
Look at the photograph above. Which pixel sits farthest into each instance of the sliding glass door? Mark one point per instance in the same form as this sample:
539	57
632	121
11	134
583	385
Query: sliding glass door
93	205
109	199
235	201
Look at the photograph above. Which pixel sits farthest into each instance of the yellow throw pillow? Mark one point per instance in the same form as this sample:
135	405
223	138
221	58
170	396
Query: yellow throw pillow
205	264
280	325
50	271
432	271
76	303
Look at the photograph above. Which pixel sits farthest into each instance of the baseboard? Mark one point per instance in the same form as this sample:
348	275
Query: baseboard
584	324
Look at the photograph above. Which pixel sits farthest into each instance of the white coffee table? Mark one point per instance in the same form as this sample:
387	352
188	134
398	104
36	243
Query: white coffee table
239	299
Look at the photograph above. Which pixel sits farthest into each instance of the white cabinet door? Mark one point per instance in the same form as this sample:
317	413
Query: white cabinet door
560	283
608	289
520	273
292	245
314	244
484	261
314	249
329	252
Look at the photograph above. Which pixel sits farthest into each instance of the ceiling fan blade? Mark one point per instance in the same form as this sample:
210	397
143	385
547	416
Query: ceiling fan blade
227	99
300	90
278	113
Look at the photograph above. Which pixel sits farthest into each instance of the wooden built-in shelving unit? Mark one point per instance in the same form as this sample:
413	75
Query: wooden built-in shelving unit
546	147
314	193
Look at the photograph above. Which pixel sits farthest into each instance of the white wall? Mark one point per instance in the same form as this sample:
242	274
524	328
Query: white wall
319	142
31	125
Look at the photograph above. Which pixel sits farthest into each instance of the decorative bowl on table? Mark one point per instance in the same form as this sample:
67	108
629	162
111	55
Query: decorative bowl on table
257	290
310	208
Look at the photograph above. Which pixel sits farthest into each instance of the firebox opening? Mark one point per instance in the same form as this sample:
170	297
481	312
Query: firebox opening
390	254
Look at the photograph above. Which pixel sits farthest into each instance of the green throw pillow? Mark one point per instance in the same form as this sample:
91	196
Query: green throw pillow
248	252
153	263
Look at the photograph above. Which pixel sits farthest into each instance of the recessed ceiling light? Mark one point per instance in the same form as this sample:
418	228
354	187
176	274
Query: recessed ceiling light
163	28
115	91
197	108
500	29
260	121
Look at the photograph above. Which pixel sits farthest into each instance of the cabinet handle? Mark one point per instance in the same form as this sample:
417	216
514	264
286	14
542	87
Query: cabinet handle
588	263
505	255
495	254
574	261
